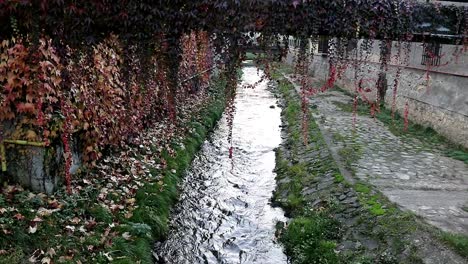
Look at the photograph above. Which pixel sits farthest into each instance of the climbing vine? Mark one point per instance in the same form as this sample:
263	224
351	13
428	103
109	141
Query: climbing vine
98	73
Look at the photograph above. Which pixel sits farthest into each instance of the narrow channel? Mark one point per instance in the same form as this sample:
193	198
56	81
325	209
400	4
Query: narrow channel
224	214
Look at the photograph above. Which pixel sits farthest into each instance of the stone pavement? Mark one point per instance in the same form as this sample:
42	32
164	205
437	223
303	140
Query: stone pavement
411	175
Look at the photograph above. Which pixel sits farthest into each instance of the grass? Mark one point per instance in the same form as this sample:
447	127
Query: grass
337	137
312	234
456	241
308	238
150	220
362	188
148	223
294	201
429	138
282	67
338	178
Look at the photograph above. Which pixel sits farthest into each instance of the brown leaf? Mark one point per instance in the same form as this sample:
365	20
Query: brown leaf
126	236
30	135
51	252
18	216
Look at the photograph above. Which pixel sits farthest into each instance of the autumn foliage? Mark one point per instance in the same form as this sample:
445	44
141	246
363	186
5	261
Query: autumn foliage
99	97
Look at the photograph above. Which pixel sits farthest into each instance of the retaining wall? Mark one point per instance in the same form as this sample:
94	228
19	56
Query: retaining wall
437	96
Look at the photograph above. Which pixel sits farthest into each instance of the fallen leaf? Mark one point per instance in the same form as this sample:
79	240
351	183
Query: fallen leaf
36	254
107	255
51	252
44	212
33	259
37	219
46	260
54	204
128	215
126	235
18	216
130	201
90	224
32	229
82	229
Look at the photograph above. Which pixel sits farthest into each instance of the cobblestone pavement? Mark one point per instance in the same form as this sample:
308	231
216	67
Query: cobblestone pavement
407	172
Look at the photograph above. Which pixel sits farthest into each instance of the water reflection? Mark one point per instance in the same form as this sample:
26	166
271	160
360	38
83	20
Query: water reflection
224	214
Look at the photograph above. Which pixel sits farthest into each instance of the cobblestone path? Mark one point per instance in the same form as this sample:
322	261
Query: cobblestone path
410	174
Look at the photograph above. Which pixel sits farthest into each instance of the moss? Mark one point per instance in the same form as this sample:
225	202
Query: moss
362	188
377	210
338	178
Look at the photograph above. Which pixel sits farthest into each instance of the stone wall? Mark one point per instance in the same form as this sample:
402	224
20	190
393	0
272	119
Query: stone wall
436	96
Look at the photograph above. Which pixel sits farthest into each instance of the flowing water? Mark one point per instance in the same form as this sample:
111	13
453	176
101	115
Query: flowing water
224	213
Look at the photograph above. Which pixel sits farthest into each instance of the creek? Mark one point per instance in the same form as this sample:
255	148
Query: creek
224	214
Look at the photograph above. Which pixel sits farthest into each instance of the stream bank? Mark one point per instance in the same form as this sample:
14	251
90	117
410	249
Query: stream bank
119	208
335	220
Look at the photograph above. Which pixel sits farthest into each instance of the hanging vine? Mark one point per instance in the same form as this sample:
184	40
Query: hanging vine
99	73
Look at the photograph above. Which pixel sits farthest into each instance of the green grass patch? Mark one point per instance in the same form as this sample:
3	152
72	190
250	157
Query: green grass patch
282	68
252	56
375	207
148	223
305	239
371	199
337	137
338	177
311	235
150	220
362	188
457	242
311	239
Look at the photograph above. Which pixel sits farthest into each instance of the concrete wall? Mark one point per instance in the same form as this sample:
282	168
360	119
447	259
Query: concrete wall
436	96
36	168
41	169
